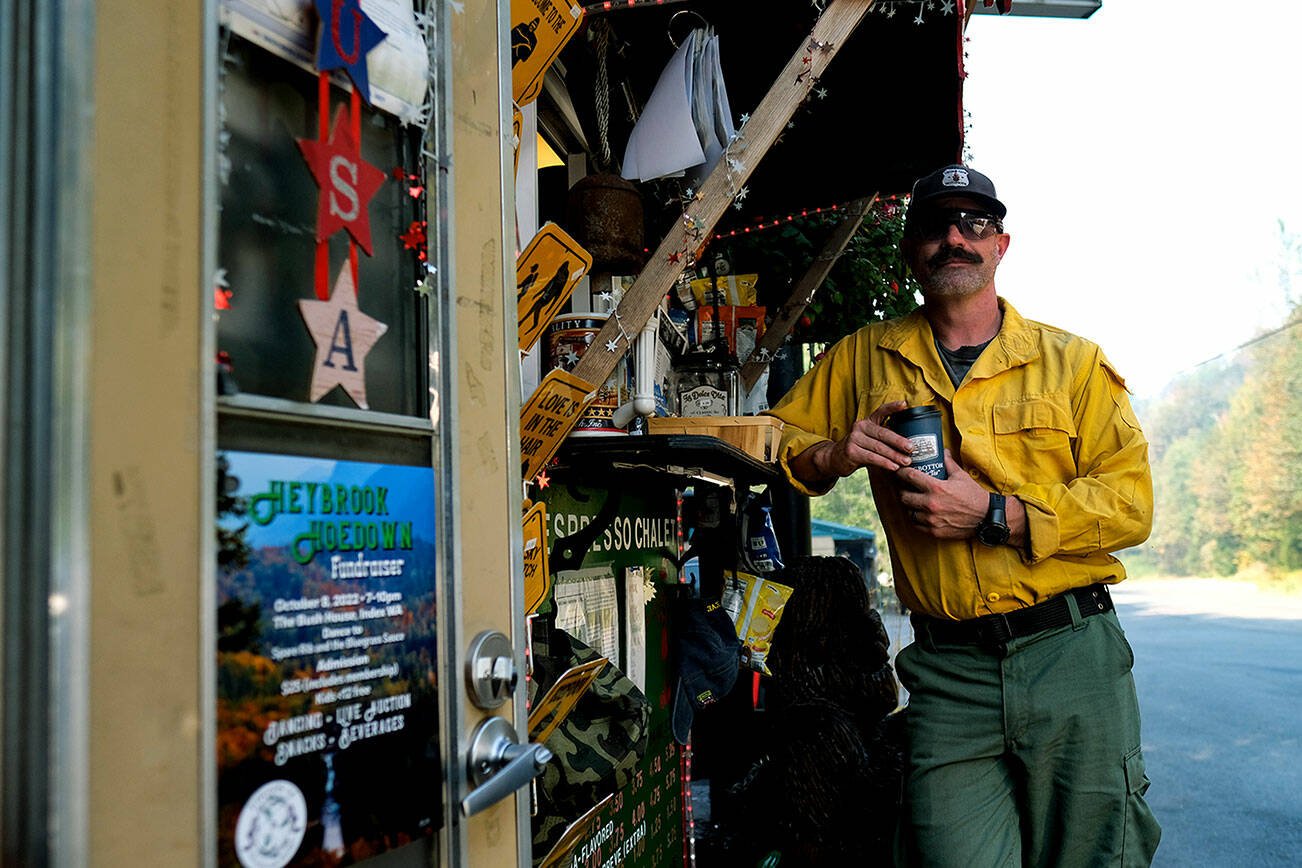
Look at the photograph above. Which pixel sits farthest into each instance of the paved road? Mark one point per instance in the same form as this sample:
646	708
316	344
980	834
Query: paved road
1219	673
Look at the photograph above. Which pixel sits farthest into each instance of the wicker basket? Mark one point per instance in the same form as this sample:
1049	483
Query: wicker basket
757	436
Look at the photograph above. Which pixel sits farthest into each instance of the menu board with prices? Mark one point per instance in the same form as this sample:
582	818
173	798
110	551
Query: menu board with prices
642	825
631	560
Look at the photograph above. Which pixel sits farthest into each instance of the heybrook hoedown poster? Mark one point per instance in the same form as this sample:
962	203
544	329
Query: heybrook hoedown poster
327	728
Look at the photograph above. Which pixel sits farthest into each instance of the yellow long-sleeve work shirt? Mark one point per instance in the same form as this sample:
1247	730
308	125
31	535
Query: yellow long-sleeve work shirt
1041	415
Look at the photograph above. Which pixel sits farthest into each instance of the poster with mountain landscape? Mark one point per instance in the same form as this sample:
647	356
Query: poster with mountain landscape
327	724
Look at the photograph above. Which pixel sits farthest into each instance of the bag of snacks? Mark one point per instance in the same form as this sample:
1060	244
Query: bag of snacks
755	606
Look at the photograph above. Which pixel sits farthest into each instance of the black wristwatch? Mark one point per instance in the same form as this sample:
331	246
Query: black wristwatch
993	529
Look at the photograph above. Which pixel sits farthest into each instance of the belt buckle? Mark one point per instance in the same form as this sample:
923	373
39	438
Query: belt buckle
998	628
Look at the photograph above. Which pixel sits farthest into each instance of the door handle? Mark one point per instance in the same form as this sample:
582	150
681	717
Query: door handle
499	765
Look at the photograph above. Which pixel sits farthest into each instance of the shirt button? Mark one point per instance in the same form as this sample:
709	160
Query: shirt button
992	597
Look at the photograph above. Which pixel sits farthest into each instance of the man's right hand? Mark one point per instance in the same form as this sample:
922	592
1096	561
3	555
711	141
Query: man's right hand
869	444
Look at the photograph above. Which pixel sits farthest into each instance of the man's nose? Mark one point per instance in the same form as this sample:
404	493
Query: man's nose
954	236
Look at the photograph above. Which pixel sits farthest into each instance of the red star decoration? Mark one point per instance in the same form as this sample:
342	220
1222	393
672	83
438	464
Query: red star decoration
414	192
347	183
414	237
543	480
673	257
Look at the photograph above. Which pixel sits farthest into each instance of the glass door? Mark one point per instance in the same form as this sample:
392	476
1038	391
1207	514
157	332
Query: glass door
334	537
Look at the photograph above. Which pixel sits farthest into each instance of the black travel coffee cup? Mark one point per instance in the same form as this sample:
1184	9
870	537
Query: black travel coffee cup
922	426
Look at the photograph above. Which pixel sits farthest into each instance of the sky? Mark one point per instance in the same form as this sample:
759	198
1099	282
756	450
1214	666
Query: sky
1146	155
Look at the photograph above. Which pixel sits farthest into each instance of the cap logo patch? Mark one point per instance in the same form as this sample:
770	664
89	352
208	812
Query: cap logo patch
955	178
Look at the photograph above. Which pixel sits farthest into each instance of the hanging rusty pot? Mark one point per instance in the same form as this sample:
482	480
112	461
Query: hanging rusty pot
604	214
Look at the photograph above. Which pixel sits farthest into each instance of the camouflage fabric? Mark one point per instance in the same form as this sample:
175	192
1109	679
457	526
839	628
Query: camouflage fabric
597	747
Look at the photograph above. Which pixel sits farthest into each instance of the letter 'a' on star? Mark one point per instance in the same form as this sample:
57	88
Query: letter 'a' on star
347	35
347	183
343	335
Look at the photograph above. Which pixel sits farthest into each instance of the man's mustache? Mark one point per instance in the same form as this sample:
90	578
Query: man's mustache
954	253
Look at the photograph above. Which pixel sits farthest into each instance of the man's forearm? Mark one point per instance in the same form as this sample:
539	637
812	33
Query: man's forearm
808	467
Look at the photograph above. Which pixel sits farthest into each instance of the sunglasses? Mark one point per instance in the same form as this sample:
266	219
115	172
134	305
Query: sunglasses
973	225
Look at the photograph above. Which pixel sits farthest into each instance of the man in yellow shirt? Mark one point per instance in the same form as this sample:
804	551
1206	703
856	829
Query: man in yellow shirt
1023	722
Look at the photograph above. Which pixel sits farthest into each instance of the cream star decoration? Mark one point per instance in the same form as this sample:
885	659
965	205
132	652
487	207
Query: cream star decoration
890	13
611	346
572	357
918	20
690	194
821	93
743	193
745	119
343	336
947	7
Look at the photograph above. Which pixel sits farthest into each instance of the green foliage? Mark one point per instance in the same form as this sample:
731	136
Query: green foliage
871	280
238	627
232	549
851	503
1226	447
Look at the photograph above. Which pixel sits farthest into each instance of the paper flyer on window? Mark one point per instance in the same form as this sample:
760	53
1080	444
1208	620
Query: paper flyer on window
327	711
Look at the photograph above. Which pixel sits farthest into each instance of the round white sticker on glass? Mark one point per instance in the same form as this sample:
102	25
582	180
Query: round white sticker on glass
271	825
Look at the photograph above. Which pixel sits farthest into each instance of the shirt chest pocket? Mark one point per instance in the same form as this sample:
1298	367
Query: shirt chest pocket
1035	438
913	394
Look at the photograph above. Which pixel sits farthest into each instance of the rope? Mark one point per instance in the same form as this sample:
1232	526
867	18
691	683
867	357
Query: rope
602	88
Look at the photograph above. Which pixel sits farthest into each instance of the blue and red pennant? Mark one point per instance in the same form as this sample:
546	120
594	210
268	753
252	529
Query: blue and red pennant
347	35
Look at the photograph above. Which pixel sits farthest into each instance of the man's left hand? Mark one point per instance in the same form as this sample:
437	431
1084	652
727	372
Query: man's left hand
944	508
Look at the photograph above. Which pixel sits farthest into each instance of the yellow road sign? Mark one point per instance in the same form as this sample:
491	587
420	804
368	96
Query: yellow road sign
552	709
549	416
539	30
537	578
545	275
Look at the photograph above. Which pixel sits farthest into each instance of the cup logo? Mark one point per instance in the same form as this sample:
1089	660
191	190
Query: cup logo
925	447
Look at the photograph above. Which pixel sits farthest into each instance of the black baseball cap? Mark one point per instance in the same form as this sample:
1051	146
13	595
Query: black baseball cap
955	180
709	656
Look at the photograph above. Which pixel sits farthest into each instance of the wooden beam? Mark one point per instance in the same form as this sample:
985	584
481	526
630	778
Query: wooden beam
803	294
753	141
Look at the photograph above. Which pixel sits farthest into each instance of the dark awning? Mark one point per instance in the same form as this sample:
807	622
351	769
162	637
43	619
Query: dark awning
893	105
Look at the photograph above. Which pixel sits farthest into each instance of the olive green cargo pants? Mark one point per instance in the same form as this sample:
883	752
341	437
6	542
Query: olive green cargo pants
1025	754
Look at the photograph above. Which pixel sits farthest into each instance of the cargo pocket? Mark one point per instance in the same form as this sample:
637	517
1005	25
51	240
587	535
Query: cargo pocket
1142	831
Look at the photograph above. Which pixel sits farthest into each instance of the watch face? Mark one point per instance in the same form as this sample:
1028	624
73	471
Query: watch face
992	534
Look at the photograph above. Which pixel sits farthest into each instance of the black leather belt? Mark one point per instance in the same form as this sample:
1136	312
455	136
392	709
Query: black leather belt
997	629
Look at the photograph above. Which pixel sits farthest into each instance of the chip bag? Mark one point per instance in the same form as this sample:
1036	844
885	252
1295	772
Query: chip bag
730	289
755	606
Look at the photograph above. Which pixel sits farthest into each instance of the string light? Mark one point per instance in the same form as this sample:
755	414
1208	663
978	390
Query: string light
763	223
614	5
